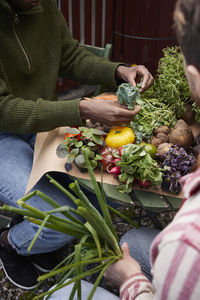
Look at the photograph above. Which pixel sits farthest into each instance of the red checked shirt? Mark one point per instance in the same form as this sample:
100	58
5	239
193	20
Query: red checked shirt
175	254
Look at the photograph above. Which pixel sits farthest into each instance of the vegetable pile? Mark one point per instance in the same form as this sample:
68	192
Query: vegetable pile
145	151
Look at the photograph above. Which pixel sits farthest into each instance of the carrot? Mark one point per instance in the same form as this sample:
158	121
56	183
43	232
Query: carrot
112	97
104	96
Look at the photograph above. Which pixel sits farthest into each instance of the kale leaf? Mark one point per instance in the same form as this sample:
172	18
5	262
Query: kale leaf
128	95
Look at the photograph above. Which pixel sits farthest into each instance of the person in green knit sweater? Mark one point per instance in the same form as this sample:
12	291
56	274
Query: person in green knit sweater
36	49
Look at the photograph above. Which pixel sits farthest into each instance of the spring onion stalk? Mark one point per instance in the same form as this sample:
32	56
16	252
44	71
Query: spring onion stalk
99	279
85	262
95	236
80	276
99	224
38	232
18	211
61	188
105	203
79	269
49	200
58	228
103	230
104	208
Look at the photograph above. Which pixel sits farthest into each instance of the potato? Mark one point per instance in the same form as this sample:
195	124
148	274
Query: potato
155	141
162	129
163	148
181	135
162	137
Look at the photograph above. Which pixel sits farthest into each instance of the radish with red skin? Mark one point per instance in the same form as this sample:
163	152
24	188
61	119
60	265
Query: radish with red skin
144	184
107	158
115	171
116	160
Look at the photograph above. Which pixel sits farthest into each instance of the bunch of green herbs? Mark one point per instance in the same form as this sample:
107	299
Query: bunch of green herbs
170	85
98	242
163	103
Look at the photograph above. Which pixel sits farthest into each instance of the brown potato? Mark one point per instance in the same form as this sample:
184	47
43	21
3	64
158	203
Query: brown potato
181	134
162	137
162	129
156	142
163	148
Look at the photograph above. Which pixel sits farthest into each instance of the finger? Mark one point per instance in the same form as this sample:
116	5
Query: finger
86	98
147	81
137	109
130	113
132	79
140	71
125	249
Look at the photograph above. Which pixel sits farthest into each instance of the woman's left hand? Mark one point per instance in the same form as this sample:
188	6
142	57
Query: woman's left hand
133	75
123	268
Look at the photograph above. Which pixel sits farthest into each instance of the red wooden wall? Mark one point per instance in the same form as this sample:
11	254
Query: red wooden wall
150	23
138	29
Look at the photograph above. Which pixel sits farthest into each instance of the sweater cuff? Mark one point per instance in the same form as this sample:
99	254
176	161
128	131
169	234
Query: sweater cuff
135	285
70	113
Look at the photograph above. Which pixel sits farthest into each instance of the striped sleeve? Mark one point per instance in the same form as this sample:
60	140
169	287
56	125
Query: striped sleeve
176	275
136	286
177	272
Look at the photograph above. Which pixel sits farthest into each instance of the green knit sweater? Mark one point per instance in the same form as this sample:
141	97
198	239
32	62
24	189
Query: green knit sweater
36	48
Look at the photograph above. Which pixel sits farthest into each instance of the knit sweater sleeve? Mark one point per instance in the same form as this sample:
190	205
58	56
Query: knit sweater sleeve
82	65
136	287
19	115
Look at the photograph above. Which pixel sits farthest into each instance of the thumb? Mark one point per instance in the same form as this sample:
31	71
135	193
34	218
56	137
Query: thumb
125	249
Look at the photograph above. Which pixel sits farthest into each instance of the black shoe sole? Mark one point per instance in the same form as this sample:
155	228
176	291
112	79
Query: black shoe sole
14	283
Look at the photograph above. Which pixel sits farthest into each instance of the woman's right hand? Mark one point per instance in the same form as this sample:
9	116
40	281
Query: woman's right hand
107	112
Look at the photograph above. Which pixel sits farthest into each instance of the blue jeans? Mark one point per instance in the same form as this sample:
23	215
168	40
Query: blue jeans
16	157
